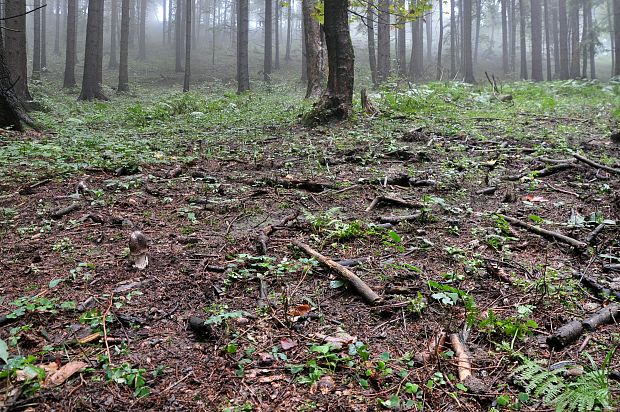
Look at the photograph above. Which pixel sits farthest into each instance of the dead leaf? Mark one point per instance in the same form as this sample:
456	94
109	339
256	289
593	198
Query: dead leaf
326	384
288	343
534	199
64	373
300	310
272	378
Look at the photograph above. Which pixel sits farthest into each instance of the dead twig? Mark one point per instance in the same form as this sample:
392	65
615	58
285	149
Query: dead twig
546	233
358	284
595	164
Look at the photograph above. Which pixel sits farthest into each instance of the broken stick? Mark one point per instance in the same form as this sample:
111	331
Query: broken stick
596	165
546	233
358	284
393	200
462	357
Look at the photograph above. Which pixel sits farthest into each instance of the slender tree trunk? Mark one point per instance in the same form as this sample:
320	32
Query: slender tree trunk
615	70
505	51
337	101
312	35
372	54
428	21
584	41
36	42
547	39
113	63
452	38
416	61
268	58
592	41
69	78
575	71
123	70
142	33
402	45
57	30
100	44
536	23
188	43
440	42
178	67
478	20
304	62
287	56
467	49
44	38
383	40
276	63
243	74
564	52
169	39
91	88
523	48
513	36
163	21
556	41
132	25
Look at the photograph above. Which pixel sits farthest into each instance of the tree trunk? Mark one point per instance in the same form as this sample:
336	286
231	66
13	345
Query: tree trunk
304	63
337	100
416	61
614	35
513	35
142	32
188	42
547	39
178	42
100	45
163	22
556	41
584	41
44	38
592	41
289	19
536	23
478	19
276	64
402	44
312	36
91	88
113	63
564	59
243	74
505	51
57	30
440	42
522	46
383	40
452	38
169	39
372	54
268	57
429	35
123	71
467	49
36	42
575	71
12	113
69	79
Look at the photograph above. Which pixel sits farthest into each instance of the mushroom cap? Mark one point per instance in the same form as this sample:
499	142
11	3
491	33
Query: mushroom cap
138	244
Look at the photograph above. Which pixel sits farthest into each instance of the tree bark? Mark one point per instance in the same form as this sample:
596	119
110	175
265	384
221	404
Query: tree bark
57	30
243	76
100	45
536	24
276	63
440	42
123	71
547	39
69	78
505	51
36	42
163	22
564	59
383	40
142	32
113	62
575	71
467	49
452	38
91	88
189	6
372	53
522	46
337	100
287	56
268	57
314	54
178	42
402	44
556	41
44	38
12	113
616	38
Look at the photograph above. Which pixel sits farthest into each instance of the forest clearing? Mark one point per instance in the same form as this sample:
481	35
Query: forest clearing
434	246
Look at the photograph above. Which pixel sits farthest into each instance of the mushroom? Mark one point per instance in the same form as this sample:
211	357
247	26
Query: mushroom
138	249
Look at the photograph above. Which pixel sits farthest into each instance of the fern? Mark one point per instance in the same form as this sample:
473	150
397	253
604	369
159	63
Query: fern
588	392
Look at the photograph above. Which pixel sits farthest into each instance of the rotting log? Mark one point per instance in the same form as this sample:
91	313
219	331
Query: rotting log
604	316
546	233
565	335
358	284
596	165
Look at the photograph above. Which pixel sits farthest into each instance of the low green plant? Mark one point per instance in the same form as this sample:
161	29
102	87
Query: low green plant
127	375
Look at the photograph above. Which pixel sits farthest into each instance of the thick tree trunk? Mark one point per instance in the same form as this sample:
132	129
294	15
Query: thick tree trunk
69	79
575	71
276	63
547	39
522	46
536	23
44	38
556	41
383	40
268	57
584	41
337	101
372	53
142	32
243	74
178	42
113	62
467	49
314	53
564	53
123	70
57	30
188	43
12	113
416	61
91	88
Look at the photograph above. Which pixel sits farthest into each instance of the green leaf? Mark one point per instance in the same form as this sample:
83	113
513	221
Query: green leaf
4	351
335	284
55	282
394	236
412	388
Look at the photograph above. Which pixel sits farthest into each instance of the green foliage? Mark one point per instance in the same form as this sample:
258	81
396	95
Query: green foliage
127	375
588	392
512	327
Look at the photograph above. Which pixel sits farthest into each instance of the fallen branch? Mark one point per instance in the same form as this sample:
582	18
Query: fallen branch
611	267
592	236
65	210
595	164
393	200
593	284
604	316
263	236
394	220
546	233
486	190
551	170
565	335
359	285
462	358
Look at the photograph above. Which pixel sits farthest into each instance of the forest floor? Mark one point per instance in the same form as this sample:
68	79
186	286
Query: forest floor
208	175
